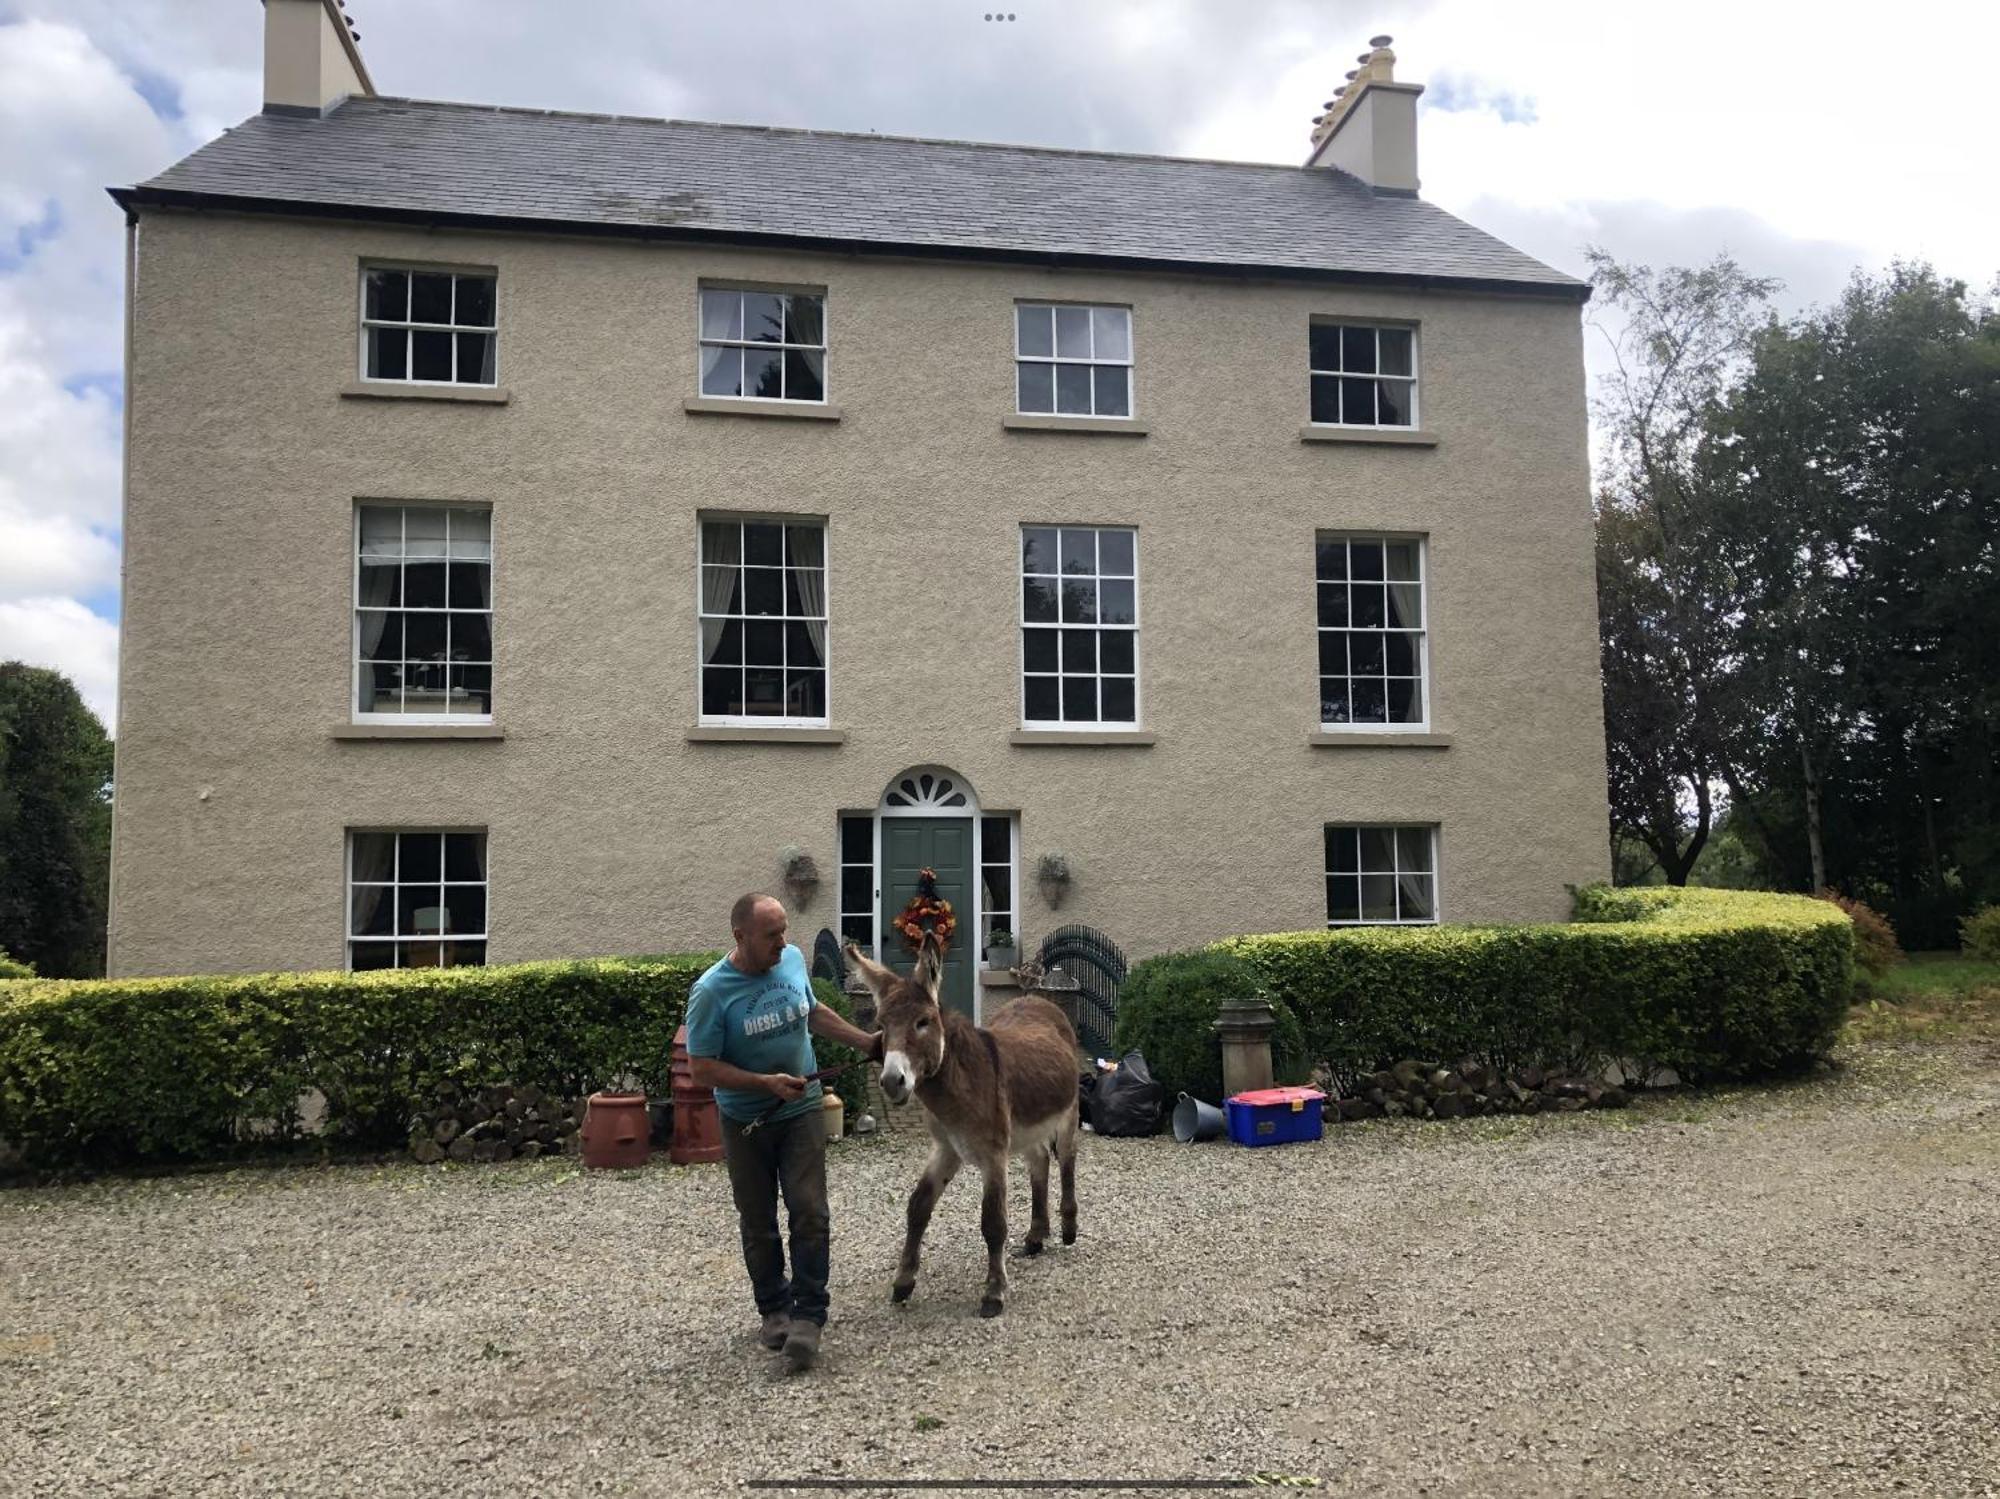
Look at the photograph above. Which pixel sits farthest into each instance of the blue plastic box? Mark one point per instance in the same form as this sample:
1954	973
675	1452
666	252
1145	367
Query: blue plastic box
1276	1116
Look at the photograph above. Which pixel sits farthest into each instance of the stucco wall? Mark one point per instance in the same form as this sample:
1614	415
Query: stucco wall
608	830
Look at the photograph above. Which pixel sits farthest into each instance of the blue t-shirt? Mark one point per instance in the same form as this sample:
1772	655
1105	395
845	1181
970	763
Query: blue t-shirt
756	1021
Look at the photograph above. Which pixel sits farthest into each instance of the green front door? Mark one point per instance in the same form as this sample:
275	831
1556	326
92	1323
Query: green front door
944	846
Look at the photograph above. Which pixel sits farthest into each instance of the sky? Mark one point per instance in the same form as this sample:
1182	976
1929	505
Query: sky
1807	138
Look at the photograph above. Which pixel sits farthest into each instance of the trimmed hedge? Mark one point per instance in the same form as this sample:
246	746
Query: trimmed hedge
106	1071
851	1086
1716	984
1167	1008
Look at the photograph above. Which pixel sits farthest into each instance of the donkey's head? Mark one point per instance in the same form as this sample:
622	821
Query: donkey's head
907	1010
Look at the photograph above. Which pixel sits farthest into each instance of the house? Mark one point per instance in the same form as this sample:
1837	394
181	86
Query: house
540	527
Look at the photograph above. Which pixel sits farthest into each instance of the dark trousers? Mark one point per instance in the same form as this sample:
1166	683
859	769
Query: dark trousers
789	1157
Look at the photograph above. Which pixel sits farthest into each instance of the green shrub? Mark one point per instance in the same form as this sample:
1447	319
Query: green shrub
1716	984
13	968
1979	933
103	1071
851	1086
1875	947
1167	1008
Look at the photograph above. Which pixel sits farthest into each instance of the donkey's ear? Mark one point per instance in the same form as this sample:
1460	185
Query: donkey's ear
872	973
930	965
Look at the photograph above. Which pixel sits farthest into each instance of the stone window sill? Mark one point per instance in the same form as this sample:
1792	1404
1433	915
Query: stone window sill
1323	739
419	731
1394	436
389	390
1117	426
797	411
996	978
1067	736
748	734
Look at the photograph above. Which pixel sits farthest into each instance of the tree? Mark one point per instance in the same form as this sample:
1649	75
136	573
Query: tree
55	824
1863	524
1668	644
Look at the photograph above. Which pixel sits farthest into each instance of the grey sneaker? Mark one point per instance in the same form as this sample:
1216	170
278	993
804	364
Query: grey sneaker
802	1346
771	1333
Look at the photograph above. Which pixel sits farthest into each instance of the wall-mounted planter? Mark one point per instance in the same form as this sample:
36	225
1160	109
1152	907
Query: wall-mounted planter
1052	874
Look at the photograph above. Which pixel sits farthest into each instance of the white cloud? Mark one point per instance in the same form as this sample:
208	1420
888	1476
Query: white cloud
1805	136
61	633
42	554
70	123
1818	118
59	447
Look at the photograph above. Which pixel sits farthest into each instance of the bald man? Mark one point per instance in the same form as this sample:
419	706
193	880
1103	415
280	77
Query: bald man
750	1023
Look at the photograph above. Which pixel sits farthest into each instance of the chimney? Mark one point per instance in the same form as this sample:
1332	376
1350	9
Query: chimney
1370	125
312	59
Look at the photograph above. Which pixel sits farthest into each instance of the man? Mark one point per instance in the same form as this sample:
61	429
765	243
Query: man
750	1020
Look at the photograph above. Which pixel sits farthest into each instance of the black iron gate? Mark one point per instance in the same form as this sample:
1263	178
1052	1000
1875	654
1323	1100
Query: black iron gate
1094	961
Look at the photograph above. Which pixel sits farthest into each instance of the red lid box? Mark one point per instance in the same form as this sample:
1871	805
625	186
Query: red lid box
1275	1116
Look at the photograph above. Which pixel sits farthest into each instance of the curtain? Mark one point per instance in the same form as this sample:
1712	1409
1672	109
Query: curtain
812	597
379	577
1414	896
721	554
378	587
373	861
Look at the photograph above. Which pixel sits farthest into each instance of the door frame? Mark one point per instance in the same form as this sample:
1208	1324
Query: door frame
896	801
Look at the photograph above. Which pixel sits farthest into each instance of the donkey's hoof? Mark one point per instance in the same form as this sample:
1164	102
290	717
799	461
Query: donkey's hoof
1069	1233
1030	1248
990	1307
900	1293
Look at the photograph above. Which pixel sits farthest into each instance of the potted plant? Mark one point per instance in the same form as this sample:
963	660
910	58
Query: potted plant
1001	949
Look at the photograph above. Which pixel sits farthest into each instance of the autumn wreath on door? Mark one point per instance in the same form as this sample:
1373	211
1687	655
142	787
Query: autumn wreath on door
927	911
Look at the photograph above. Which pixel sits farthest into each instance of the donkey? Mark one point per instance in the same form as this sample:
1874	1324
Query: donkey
1008	1088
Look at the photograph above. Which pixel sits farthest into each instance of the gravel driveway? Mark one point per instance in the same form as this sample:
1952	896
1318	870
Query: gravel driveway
1794	1291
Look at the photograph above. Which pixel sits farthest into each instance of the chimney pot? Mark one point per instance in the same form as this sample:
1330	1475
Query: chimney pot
1370	127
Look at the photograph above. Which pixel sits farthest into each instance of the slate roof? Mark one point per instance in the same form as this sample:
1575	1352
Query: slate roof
414	160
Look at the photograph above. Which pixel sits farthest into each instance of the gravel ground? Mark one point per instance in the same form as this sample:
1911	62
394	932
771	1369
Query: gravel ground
1785	1292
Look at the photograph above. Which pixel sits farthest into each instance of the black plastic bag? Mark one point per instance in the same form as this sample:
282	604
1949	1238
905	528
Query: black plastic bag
1127	1101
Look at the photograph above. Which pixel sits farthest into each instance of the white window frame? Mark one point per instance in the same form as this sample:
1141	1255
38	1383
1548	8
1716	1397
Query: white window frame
488	273
1436	873
842	912
1413	380
355	712
761	720
824	348
1023	624
1421	724
1055	361
484	937
982	864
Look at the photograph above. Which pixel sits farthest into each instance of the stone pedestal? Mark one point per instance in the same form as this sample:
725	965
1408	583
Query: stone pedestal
1245	1026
